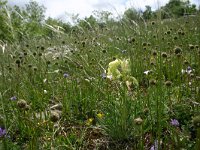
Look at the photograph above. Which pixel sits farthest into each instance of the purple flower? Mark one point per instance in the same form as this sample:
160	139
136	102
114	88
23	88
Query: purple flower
174	122
65	75
103	75
155	146
13	98
2	132
189	70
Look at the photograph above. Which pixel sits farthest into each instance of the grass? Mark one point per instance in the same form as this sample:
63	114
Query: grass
53	94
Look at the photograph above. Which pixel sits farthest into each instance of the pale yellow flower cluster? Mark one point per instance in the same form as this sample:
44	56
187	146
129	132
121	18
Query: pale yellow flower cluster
121	70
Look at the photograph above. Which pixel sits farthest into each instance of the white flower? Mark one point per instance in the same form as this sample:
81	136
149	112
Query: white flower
147	72
45	91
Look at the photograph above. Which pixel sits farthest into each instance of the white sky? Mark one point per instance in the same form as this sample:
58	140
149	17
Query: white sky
59	8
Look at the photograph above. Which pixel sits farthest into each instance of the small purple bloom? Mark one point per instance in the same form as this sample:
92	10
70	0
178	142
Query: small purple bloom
103	75
13	98
65	75
2	132
155	146
174	122
189	70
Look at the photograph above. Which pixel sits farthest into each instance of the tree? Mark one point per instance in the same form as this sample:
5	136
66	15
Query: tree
179	8
34	15
6	30
147	14
88	22
131	15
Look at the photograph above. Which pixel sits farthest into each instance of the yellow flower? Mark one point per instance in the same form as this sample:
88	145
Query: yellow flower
89	121
100	115
114	69
120	69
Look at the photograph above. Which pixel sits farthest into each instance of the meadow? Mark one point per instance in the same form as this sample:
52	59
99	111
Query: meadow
119	86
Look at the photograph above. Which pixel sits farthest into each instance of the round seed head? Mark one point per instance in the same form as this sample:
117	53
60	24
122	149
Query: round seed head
191	46
164	55
154	53
18	61
177	50
22	104
152	82
138	121
153	23
42	48
168	83
55	116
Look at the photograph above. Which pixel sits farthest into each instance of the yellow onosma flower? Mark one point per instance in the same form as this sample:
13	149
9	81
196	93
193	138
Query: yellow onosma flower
118	68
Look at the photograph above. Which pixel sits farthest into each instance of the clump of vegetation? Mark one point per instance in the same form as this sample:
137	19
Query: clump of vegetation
102	83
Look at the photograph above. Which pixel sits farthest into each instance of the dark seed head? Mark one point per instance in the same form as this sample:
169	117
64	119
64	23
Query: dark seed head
55	116
177	50
164	55
153	23
152	82
21	104
35	68
168	83
154	53
191	46
18	61
42	48
104	51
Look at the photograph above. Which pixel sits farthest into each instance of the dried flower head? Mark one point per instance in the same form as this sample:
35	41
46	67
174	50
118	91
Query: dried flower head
22	104
138	121
168	83
177	50
55	116
164	55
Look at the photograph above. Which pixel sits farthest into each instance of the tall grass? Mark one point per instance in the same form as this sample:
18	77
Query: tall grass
64	100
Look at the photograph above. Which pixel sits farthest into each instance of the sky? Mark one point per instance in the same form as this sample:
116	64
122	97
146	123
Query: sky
60	8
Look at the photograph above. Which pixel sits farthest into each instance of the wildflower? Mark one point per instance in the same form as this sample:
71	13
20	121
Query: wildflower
103	75
65	75
189	70
2	132
89	121
45	91
147	72
174	122
155	146
13	98
115	68
100	115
